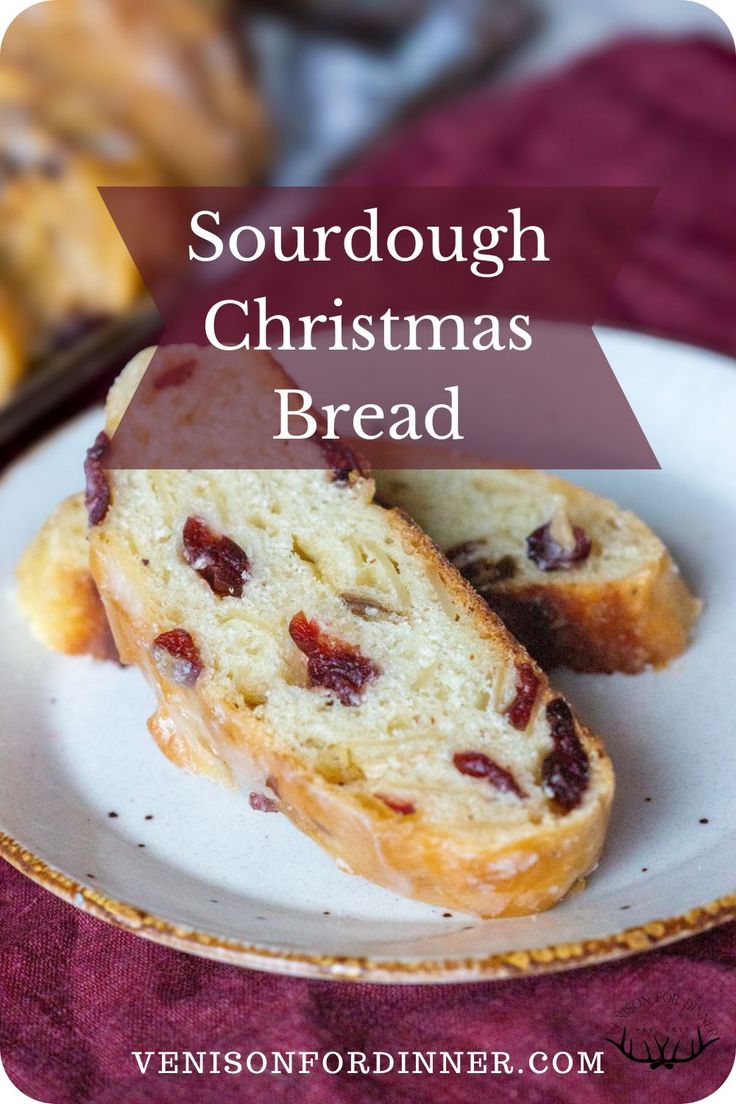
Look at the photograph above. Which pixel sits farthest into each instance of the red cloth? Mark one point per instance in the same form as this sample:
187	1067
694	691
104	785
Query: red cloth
76	996
642	113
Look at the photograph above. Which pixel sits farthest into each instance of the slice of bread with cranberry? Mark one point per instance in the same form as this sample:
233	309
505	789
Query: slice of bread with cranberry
299	634
579	581
55	588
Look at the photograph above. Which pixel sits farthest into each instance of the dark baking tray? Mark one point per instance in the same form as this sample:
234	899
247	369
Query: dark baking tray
71	379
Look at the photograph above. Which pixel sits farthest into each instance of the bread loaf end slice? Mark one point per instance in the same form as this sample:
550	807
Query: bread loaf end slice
56	592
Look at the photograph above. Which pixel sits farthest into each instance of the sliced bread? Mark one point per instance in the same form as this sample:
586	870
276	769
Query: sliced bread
304	639
579	581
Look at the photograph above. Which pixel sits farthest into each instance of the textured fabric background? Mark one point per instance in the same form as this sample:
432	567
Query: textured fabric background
76	996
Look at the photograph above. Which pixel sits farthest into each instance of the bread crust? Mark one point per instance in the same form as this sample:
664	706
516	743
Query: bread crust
599	627
56	591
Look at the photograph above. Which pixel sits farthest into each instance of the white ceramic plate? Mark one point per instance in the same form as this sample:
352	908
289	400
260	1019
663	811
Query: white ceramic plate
218	879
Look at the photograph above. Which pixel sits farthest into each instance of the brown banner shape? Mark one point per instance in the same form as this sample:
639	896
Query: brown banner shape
426	327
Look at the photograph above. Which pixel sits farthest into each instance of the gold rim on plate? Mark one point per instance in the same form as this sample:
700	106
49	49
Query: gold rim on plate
510	964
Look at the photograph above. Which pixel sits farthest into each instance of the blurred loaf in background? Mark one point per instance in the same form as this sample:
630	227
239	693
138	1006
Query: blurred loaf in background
106	92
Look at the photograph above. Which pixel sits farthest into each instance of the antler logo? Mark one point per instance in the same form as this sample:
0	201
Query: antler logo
661	1057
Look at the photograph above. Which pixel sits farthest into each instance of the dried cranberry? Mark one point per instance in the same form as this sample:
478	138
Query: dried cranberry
97	492
565	770
527	688
343	461
331	662
177	657
462	555
478	765
534	622
175	374
220	561
482	572
548	555
261	803
406	808
562	726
